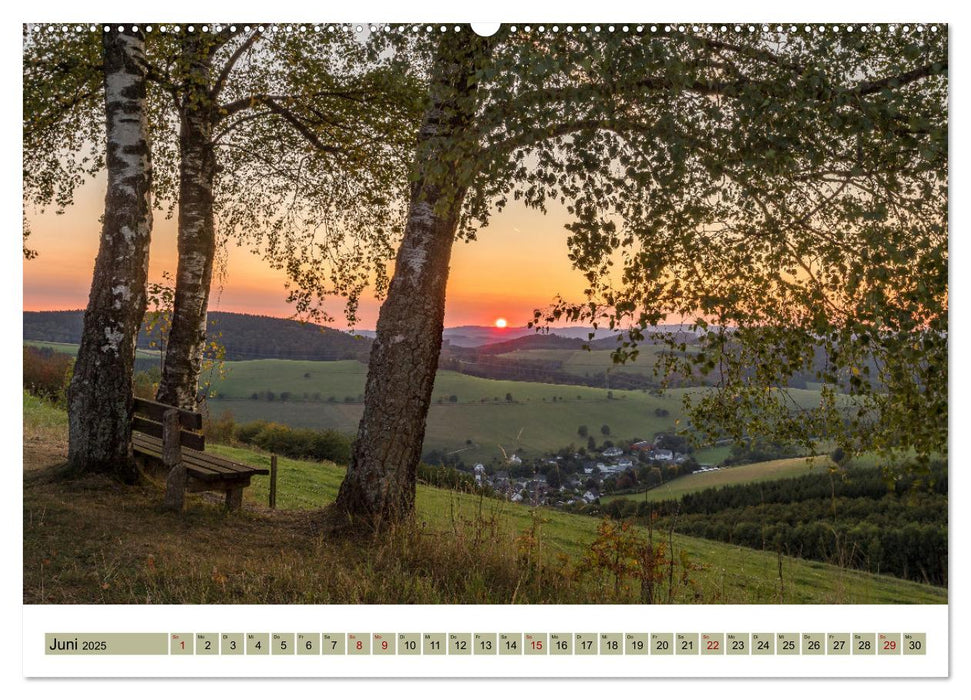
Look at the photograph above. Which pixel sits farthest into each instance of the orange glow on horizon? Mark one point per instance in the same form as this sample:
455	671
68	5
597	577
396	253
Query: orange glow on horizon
518	263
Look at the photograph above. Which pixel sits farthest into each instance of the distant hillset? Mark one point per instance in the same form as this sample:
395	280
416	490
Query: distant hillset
477	336
244	336
250	337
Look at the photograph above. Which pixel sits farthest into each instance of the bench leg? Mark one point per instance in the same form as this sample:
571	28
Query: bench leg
175	489
234	498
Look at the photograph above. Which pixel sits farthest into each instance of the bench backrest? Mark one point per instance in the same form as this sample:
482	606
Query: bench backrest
148	416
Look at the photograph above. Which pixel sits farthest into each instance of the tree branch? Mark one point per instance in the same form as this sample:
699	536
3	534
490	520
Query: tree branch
301	128
894	81
231	63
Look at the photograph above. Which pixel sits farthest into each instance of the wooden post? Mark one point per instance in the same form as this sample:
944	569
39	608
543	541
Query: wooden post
234	498
273	481
172	459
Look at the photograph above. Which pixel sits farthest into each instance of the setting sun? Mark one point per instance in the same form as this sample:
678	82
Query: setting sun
500	323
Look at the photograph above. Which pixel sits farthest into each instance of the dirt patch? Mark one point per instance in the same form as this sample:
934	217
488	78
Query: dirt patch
43	452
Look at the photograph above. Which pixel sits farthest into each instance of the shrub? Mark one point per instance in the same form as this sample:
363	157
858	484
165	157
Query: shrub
332	445
221	429
247	431
145	384
47	373
297	443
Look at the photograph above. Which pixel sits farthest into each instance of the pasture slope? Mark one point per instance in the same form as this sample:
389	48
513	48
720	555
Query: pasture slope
479	425
744	474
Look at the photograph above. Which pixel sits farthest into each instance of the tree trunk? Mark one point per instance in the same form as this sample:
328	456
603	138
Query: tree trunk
100	394
380	481
197	234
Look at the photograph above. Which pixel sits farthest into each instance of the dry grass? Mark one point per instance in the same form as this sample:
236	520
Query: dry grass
92	540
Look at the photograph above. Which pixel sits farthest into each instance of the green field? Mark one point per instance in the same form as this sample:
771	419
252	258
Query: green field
531	424
72	348
480	425
744	474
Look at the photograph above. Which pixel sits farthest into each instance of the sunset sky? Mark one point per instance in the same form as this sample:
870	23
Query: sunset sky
518	264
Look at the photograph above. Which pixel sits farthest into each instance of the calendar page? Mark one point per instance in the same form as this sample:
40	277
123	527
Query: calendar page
532	349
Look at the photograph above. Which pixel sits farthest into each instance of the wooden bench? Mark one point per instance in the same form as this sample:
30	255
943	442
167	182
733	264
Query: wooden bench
170	437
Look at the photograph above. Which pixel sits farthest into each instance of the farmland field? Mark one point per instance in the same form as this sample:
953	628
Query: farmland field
744	474
479	425
591	362
72	348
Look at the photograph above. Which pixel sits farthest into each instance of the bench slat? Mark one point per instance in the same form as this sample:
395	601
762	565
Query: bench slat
197	470
211	462
155	410
193	441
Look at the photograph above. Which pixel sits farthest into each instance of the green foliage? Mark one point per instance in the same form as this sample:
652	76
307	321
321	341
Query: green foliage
445	477
783	191
797	207
145	383
63	87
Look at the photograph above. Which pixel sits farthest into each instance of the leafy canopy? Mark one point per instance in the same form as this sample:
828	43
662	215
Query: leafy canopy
781	191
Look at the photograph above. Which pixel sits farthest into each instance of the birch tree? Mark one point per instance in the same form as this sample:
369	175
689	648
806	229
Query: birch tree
100	393
292	137
779	189
268	115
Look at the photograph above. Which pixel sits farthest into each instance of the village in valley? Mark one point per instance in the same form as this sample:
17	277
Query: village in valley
573	479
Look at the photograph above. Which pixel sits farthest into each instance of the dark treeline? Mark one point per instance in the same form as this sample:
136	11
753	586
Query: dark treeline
858	521
242	336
